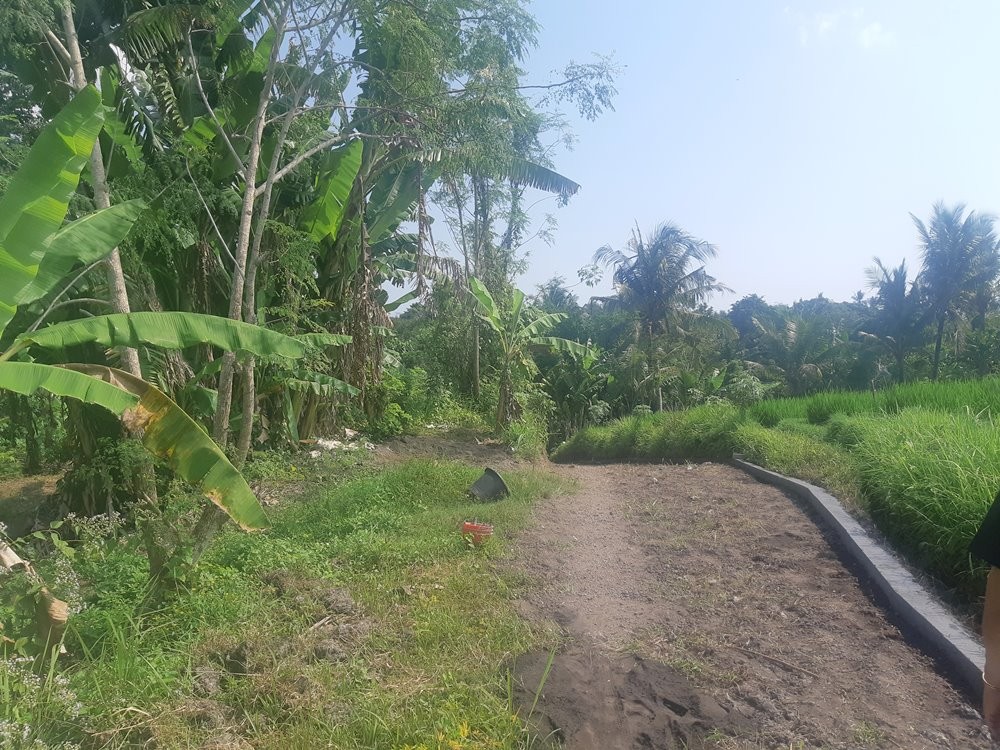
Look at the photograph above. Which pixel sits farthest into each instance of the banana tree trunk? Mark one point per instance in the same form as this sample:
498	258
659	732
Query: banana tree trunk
51	613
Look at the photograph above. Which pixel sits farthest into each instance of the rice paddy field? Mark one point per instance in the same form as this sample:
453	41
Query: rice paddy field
921	461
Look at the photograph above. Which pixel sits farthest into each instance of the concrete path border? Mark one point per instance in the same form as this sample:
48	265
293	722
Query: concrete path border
919	610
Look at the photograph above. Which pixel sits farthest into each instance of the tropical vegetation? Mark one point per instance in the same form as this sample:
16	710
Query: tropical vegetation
233	232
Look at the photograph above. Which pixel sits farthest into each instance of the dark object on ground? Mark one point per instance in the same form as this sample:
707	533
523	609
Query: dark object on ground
489	488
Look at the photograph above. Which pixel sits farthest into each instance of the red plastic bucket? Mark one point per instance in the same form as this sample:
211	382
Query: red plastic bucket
477	532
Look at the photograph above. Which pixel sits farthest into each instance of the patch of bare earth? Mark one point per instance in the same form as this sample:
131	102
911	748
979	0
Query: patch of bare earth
470	446
704	609
20	499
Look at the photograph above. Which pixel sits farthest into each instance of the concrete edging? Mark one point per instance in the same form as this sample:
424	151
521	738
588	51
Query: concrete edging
960	650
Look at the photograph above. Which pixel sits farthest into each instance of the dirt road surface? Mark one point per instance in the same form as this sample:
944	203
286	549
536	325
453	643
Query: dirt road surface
702	609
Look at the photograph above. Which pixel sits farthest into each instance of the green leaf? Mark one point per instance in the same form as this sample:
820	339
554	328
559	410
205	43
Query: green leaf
291	419
543	323
320	384
168	330
37	198
525	172
560	345
394	197
323	217
517	304
323	340
27	377
83	241
396	304
487	307
169	433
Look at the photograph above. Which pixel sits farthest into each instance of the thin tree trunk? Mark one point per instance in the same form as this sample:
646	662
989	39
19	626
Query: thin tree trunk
102	196
475	357
937	348
900	366
220	426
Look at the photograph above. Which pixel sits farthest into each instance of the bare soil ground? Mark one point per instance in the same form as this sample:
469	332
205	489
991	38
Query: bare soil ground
704	609
20	499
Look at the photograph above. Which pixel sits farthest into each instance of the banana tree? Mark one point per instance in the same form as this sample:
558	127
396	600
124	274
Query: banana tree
518	329
38	253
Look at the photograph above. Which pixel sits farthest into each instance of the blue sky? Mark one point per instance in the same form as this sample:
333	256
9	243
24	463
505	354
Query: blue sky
797	137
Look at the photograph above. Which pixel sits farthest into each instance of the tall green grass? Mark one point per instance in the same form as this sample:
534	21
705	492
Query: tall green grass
977	397
702	433
801	455
929	478
424	655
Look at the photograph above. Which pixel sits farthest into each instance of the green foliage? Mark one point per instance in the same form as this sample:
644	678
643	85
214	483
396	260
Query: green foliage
33	207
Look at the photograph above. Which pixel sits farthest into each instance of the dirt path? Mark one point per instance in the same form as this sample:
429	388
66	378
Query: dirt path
704	609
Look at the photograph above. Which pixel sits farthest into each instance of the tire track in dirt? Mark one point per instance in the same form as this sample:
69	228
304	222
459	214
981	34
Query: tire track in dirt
704	609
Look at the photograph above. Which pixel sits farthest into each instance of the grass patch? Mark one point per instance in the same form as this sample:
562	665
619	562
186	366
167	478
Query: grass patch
416	658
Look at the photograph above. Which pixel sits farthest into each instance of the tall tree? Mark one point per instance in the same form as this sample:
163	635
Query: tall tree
900	315
959	255
660	280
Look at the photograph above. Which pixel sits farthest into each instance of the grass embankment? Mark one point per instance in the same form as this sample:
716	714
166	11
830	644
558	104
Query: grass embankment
924	474
360	619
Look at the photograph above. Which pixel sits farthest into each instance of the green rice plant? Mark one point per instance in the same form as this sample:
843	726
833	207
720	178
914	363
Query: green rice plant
802	427
702	433
842	430
799	455
770	412
976	397
929	478
821	406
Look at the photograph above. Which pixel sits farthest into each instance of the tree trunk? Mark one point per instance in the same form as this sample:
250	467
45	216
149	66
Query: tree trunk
220	426
102	196
33	451
937	348
901	365
475	357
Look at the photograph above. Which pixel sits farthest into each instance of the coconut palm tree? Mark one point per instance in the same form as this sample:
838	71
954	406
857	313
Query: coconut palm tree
959	254
661	280
900	314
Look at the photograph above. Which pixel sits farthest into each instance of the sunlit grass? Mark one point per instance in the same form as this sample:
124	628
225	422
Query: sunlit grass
426	649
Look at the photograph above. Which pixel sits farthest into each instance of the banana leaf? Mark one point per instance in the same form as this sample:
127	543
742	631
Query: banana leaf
27	377
169	433
35	203
168	330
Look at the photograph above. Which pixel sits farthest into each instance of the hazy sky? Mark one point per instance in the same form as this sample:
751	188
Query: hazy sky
797	137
